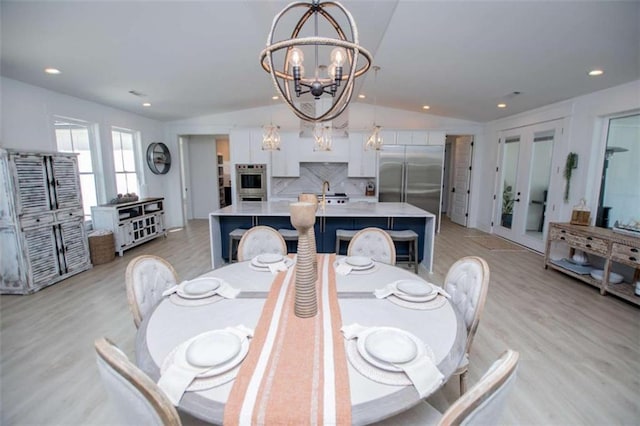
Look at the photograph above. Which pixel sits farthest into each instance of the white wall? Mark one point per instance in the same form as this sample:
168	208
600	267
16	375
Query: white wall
27	123
583	134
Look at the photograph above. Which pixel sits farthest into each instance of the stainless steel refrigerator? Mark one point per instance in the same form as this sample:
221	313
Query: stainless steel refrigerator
412	174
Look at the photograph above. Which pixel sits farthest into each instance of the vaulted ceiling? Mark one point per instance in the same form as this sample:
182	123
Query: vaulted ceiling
188	58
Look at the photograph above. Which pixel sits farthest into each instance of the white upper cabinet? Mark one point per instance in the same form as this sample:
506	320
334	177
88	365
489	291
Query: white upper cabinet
437	137
412	137
286	161
361	163
245	146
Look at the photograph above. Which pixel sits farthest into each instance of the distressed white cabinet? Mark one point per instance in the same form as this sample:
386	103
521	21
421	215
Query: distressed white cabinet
42	234
131	223
361	163
286	161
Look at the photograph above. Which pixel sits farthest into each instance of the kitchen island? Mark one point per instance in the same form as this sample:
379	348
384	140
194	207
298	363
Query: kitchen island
355	216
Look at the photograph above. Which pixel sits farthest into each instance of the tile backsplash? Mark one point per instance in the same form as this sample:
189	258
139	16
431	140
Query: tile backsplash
311	177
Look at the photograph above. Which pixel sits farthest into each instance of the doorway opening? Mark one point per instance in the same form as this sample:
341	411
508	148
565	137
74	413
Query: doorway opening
205	174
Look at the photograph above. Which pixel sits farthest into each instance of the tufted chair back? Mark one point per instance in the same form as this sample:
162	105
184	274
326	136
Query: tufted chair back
147	277
259	240
467	282
137	399
374	243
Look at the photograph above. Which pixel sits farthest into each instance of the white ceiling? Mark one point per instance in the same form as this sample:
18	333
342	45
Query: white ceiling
201	57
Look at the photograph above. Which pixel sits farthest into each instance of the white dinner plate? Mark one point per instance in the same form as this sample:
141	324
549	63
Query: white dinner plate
404	295
359	262
389	346
259	266
614	278
213	349
417	288
267	258
197	349
199	288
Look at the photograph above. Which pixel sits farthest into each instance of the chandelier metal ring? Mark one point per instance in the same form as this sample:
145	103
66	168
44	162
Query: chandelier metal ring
282	79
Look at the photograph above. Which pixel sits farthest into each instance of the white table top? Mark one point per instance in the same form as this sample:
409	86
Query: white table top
442	329
355	209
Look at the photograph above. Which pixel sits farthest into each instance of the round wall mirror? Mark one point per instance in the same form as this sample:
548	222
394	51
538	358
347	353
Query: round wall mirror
158	158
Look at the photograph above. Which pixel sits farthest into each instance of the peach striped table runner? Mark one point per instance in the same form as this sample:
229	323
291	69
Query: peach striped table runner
296	369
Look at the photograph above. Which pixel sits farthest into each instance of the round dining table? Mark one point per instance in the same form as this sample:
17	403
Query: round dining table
170	324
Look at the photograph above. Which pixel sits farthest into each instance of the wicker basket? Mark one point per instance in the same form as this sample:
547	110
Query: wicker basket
101	247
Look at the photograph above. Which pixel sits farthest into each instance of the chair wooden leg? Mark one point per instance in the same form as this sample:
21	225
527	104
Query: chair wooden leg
415	254
463	383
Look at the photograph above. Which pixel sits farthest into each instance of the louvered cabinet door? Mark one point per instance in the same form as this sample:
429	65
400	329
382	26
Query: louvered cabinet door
41	250
75	245
64	170
12	270
31	183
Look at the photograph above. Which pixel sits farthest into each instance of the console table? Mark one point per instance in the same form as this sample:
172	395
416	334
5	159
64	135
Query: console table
611	246
132	223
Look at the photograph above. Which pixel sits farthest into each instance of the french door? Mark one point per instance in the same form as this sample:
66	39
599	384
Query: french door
525	183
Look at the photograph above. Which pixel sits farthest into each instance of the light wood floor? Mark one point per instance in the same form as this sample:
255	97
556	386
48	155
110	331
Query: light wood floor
580	352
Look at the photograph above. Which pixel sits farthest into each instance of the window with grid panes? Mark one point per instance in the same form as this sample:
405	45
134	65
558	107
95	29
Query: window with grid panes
124	160
77	136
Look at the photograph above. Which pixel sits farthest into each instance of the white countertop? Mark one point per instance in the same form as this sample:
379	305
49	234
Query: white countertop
352	209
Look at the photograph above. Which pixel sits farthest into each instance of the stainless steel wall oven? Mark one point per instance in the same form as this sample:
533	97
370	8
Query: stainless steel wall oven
251	181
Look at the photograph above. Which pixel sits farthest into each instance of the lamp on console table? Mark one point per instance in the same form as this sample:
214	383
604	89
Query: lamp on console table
303	217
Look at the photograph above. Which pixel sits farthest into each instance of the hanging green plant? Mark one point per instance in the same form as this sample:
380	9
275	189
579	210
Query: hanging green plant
572	163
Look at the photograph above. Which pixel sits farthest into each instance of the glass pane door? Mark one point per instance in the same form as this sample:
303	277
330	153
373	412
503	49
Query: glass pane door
509	175
540	176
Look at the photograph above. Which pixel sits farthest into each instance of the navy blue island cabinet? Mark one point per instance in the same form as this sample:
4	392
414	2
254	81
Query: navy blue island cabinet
354	216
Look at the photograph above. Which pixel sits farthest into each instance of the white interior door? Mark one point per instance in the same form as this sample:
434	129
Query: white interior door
525	180
203	160
462	148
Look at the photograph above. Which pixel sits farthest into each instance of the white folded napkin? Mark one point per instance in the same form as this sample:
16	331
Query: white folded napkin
391	288
422	372
276	267
225	290
177	377
343	268
424	375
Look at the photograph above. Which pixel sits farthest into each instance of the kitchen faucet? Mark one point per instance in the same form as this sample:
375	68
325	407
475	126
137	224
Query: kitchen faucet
324	201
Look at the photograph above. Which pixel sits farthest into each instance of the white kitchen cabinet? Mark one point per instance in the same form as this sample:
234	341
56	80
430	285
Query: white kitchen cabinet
131	223
412	137
42	234
245	146
437	137
286	161
361	163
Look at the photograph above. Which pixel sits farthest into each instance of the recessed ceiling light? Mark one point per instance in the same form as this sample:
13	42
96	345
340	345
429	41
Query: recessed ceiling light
52	71
275	97
361	96
594	73
502	105
146	104
425	107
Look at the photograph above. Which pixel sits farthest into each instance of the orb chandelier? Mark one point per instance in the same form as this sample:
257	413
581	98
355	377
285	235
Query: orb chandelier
343	52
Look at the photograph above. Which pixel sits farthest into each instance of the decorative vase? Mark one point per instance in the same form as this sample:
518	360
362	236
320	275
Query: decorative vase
303	217
313	199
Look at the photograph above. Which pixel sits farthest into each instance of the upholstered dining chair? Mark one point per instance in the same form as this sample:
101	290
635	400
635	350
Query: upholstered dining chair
137	399
374	243
146	277
258	240
467	282
482	405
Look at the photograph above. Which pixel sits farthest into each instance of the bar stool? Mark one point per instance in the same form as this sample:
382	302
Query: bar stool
343	235
407	236
289	235
234	239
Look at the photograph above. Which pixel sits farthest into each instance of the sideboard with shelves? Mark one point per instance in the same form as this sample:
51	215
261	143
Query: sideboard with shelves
611	247
132	223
